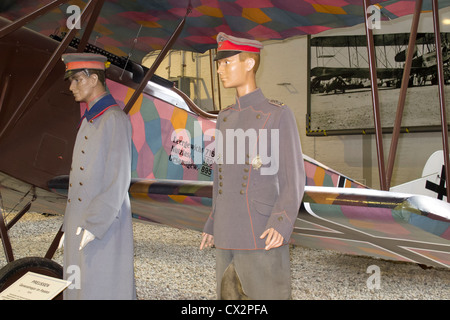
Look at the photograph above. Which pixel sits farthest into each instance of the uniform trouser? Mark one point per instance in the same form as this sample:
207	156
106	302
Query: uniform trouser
253	274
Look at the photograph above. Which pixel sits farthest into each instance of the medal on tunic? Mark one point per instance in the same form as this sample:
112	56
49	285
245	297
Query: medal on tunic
256	162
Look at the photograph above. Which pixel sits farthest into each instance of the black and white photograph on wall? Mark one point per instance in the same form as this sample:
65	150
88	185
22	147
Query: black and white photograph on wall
340	86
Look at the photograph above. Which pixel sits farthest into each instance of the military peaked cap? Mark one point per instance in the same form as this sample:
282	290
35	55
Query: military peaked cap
75	62
228	46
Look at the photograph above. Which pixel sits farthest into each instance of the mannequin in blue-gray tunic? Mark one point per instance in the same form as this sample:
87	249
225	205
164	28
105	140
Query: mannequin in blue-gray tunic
98	236
256	197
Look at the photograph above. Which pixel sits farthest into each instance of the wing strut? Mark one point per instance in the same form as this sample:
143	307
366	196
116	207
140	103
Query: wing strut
385	177
44	73
4	227
404	87
375	101
29	17
157	62
90	25
7	247
401	101
437	37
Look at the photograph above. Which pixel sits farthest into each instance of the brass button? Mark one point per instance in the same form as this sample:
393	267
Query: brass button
258	116
81	168
245	169
220	177
242	191
245	177
221	184
68	200
79	199
220	191
244	184
91	121
70	185
85	137
81	183
220	169
225	119
82	151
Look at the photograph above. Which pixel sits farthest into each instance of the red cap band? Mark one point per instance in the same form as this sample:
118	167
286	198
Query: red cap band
230	46
85	65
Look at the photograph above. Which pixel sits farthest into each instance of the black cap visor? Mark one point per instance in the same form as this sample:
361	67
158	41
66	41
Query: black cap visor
225	54
70	73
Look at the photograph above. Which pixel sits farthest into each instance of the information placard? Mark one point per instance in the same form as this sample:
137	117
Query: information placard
34	286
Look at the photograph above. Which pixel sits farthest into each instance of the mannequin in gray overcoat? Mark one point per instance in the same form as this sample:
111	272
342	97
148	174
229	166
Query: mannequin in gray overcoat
255	201
98	235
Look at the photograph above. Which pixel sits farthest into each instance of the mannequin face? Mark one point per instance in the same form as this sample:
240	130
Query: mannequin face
235	73
82	86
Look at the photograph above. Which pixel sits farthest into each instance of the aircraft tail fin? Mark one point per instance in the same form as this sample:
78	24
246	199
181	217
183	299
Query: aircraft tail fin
432	183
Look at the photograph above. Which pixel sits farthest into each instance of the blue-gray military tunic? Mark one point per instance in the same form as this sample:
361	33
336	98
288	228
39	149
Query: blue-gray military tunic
246	199
98	201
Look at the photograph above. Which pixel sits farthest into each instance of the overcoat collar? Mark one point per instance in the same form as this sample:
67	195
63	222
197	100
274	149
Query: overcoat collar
98	108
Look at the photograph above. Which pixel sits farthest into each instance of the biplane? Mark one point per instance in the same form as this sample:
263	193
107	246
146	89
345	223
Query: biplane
38	121
389	72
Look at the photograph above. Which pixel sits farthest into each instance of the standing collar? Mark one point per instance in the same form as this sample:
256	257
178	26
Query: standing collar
250	99
99	107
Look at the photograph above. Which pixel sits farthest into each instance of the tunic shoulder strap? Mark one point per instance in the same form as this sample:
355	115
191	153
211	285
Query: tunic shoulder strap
276	103
227	108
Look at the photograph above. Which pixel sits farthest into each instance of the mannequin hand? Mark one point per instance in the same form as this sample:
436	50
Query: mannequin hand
207	241
87	237
61	242
273	240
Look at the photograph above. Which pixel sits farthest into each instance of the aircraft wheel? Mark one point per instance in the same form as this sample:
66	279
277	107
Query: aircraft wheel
14	270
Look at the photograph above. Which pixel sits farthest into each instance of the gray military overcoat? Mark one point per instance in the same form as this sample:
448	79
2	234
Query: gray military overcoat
98	201
252	195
